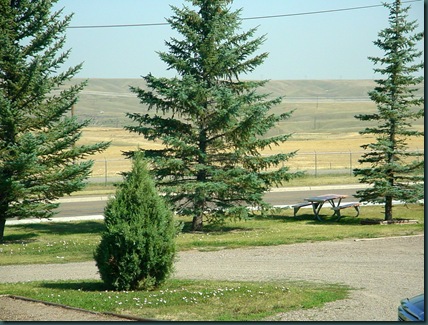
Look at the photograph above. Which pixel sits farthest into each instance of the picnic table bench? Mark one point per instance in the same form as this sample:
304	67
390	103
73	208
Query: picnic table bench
355	205
297	206
317	203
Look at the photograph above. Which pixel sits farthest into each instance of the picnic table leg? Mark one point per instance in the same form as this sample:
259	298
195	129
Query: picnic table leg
338	215
357	208
317	208
295	211
314	207
336	212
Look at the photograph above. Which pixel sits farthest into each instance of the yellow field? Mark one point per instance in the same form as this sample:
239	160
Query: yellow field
315	150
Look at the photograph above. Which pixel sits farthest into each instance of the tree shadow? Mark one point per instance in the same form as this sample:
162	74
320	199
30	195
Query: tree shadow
308	218
89	286
211	228
20	238
280	215
60	228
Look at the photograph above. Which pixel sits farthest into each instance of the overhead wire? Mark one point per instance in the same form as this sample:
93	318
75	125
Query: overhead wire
247	18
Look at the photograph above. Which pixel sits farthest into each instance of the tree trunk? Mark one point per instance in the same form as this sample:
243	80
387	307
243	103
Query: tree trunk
388	208
2	226
197	223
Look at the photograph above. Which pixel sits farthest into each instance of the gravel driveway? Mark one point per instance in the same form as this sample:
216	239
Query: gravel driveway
382	272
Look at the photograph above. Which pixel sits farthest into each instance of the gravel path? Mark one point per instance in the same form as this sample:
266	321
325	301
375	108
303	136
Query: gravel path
382	272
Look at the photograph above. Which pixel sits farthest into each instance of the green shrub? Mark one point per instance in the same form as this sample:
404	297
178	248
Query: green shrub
137	249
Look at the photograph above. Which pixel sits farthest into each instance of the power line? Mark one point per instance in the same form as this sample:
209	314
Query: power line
115	26
321	11
248	18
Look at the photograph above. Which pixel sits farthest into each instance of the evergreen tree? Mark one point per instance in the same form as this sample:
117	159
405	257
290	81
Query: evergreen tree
392	169
212	124
38	155
137	248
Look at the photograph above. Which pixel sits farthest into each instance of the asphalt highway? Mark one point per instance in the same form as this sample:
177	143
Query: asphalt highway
94	205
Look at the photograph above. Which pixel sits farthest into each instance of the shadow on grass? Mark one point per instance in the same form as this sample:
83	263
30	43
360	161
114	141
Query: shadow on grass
309	219
303	218
20	238
90	286
212	228
60	228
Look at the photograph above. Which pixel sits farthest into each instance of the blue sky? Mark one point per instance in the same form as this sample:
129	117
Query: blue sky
317	46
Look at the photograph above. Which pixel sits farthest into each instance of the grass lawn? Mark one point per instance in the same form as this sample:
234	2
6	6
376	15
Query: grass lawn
184	300
65	242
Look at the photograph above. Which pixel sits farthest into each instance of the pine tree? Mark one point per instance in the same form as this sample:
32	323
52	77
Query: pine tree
137	248
394	171
212	124
38	155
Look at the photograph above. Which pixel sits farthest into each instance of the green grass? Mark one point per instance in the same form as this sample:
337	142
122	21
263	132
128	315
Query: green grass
76	241
42	243
185	300
280	227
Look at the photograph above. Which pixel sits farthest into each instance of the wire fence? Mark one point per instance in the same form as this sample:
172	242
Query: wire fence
314	163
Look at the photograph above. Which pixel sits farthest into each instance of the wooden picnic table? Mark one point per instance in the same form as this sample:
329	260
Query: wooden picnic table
318	201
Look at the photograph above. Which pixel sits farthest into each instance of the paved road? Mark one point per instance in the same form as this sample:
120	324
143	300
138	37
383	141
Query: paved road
281	196
381	271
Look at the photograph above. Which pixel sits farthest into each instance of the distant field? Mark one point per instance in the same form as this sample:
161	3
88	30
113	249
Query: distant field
323	120
326	106
330	150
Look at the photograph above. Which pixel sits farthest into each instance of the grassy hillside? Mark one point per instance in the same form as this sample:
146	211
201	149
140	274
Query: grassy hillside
321	106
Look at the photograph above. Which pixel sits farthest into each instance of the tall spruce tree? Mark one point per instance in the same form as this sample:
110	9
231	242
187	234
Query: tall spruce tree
212	124
38	155
394	171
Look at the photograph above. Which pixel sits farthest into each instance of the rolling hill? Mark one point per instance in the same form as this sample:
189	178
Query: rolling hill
320	105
